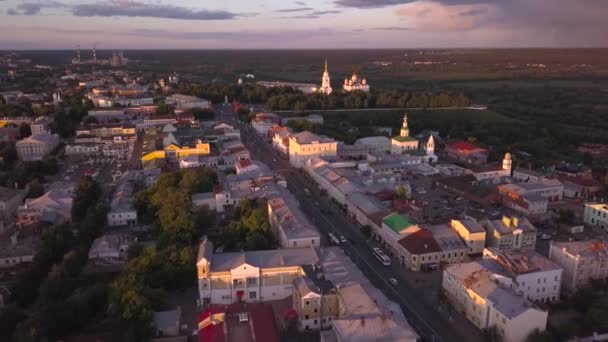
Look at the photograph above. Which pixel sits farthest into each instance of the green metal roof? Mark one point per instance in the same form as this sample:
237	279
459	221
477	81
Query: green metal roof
404	139
397	222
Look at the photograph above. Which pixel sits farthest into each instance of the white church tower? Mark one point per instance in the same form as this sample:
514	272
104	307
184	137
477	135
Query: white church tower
507	163
430	146
325	82
405	131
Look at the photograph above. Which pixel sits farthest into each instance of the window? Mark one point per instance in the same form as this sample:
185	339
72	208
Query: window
252	281
315	310
252	295
305	316
315	321
307	302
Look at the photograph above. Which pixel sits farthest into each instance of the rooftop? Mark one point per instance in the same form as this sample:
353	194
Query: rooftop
517	261
421	241
223	262
404	139
508	225
397	222
6	194
311	138
465	146
587	248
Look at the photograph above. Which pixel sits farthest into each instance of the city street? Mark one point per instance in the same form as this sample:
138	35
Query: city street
419	303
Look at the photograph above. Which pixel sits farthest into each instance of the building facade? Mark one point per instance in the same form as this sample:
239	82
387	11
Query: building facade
582	261
596	214
486	302
37	146
511	232
305	145
253	276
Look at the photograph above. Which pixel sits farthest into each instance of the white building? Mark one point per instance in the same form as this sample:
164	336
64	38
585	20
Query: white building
404	142
54	207
289	224
354	83
530	274
36	147
182	102
487	302
582	261
511	232
40	125
494	173
325	82
375	145
122	211
253	276
596	214
551	189
306	145
110	246
205	199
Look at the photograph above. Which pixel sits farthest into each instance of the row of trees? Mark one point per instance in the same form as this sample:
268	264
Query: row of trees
360	100
64	299
152	272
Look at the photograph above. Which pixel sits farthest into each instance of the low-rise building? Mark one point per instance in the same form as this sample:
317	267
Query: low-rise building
511	232
596	214
582	261
530	274
306	145
252	276
377	145
242	322
314	300
110	247
486	302
122	211
550	189
54	207
471	232
426	249
36	147
468	153
182	102
289	224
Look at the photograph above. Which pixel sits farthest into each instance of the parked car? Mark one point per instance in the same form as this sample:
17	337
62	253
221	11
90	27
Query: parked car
393	281
545	237
343	239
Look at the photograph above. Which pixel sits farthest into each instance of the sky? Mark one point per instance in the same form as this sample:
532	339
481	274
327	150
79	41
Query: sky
305	24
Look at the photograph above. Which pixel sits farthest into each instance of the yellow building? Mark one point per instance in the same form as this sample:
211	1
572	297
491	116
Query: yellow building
306	145
472	233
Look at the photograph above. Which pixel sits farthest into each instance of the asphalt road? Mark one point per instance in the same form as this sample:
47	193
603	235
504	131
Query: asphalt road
431	320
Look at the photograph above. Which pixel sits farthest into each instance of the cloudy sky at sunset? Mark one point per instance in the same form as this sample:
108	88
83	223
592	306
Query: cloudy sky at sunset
246	24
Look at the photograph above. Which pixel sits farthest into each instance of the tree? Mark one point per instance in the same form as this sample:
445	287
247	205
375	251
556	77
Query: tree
540	336
87	192
35	189
24	130
566	216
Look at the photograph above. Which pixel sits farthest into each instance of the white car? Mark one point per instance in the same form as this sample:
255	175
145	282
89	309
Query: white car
393	281
343	239
545	237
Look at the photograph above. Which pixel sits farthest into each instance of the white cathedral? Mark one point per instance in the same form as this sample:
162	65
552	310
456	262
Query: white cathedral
354	83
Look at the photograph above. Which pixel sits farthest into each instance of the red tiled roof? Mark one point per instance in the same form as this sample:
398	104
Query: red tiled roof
261	316
244	163
464	146
420	242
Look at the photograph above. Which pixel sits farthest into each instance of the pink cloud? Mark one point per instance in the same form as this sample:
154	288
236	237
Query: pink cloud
432	16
